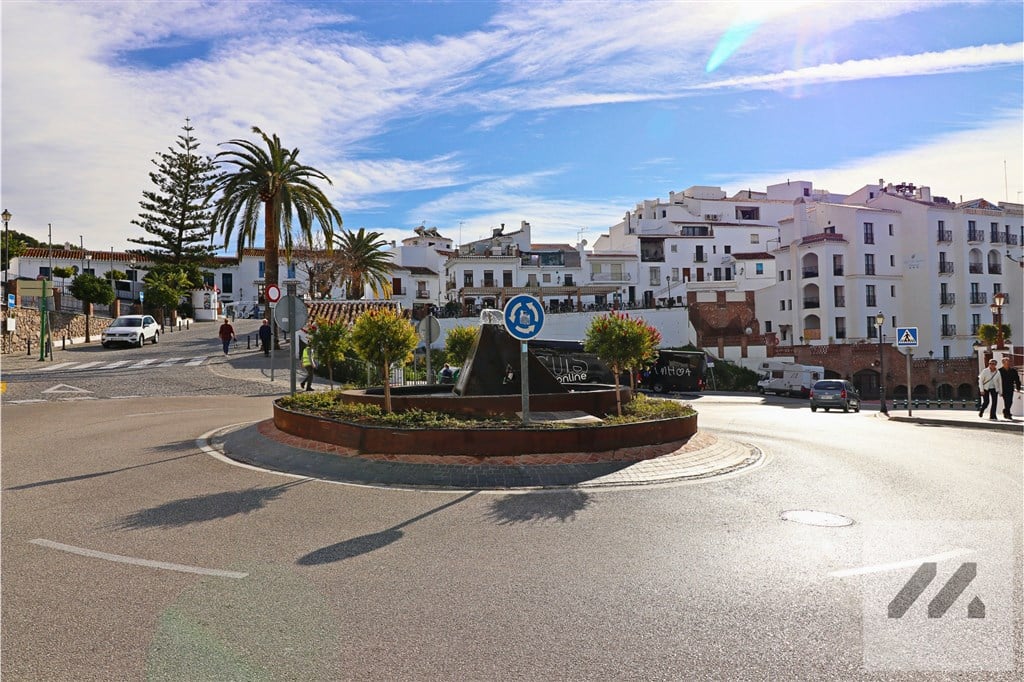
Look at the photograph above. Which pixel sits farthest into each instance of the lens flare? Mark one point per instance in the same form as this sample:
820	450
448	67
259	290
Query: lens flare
730	42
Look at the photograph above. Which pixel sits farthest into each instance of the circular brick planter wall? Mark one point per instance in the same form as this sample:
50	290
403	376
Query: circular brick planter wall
633	442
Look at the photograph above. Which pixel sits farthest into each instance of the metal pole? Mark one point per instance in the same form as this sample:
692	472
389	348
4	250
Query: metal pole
524	379
430	340
910	355
881	366
293	347
7	252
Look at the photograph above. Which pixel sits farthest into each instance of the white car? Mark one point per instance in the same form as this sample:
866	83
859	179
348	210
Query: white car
133	330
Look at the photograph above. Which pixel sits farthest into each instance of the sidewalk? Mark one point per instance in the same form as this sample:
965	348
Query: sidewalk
966	418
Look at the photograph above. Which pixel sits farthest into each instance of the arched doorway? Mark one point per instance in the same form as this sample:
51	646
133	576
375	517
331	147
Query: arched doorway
866	381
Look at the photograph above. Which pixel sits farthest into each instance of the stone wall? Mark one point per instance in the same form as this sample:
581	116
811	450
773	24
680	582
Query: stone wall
63	325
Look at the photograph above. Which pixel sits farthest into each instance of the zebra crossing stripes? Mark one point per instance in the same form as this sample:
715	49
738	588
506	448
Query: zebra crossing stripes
143	363
148	363
59	365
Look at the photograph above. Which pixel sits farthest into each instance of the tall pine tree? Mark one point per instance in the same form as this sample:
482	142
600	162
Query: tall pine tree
178	212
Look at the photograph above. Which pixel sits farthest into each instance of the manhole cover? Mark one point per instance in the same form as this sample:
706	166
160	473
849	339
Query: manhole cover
816	518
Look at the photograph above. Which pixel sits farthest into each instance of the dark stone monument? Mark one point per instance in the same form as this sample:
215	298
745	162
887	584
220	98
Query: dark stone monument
493	367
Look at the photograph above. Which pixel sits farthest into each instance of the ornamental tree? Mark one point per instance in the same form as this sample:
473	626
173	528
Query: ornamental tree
382	336
622	342
330	343
988	334
91	289
458	343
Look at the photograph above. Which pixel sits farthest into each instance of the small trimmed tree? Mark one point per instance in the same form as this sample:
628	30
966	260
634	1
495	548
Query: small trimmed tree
63	272
330	343
458	343
988	334
622	342
165	288
91	289
382	336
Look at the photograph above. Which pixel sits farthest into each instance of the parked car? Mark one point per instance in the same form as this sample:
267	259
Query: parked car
829	393
133	330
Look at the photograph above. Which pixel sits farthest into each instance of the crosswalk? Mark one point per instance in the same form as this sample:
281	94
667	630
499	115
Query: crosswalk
150	363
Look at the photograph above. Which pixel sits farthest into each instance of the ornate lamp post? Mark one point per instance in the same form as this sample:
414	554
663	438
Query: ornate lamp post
998	301
668	281
879	322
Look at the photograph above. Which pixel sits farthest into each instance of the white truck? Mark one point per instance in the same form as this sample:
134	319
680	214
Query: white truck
788	378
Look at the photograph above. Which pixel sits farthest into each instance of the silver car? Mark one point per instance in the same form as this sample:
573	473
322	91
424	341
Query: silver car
838	393
133	330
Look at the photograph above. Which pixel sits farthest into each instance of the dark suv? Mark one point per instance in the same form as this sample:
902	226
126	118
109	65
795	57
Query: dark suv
829	393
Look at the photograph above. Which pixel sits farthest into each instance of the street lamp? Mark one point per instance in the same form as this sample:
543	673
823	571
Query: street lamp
879	321
6	215
998	301
668	281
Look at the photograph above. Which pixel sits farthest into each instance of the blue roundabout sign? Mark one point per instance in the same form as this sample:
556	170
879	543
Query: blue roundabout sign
524	317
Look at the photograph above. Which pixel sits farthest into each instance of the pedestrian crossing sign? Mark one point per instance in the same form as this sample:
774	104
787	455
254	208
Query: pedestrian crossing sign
906	337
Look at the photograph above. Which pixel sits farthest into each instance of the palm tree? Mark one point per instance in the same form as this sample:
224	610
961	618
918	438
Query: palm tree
363	262
274	178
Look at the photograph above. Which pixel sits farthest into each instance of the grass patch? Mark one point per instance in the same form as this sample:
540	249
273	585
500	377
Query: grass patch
328	404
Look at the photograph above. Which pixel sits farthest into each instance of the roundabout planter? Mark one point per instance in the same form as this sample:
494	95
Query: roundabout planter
496	446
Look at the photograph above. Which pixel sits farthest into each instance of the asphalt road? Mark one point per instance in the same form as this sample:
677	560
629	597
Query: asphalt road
311	580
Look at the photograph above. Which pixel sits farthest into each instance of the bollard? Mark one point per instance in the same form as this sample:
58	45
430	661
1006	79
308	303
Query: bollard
29	345
248	341
179	324
186	325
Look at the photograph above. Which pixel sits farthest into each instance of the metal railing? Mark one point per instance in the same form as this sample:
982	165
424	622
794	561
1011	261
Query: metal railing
978	298
810	272
948	330
945	235
945	267
947	299
975	235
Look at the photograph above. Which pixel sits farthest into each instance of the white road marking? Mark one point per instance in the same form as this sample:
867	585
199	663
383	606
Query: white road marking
124	397
119	363
138	562
85	365
64	388
169	362
22	402
50	368
197	361
143	363
909	563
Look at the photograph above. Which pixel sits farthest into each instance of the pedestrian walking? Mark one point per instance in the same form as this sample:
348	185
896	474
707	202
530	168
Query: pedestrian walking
308	364
991	386
265	337
226	334
446	374
1010	381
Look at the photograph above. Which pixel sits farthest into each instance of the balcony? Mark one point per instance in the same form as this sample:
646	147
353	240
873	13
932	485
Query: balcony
995	269
610	277
871	302
997	237
869	269
1011	239
423	294
976	268
945	235
948	330
978	298
700	258
840	302
975	235
810	272
449	285
945	267
947	299
812	303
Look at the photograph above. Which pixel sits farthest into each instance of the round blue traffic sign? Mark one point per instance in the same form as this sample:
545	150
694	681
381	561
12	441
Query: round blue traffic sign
524	317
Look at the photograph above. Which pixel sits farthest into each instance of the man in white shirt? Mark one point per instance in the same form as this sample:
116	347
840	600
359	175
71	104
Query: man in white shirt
991	386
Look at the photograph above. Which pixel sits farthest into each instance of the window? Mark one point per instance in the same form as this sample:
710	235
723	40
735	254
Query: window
869	233
892	291
718	274
892	261
675	248
755	239
789	304
782	305
506	278
663	213
869	295
840	327
467	278
837	265
728	248
698	254
262	269
839	297
869	263
945	352
44	272
546	278
782	275
872	329
291	271
748	213
675	274
767	326
890	229
396	286
655	274
568	280
226	283
759	268
90	271
807	191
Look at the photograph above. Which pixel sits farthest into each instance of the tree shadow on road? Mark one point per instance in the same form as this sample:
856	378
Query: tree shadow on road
547	506
353	547
83	477
201	508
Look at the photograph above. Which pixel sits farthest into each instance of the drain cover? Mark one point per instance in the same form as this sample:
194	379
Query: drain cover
816	518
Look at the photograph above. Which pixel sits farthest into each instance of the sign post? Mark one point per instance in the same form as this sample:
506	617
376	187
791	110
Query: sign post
429	331
524	318
906	337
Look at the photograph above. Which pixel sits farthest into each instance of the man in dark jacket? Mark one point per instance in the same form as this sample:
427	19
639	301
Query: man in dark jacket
1011	384
265	336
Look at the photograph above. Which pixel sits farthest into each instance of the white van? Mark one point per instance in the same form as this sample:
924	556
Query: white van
788	378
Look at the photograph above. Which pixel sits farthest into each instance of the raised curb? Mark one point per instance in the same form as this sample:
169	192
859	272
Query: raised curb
263	445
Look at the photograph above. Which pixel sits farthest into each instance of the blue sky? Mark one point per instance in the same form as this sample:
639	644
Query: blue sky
465	115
